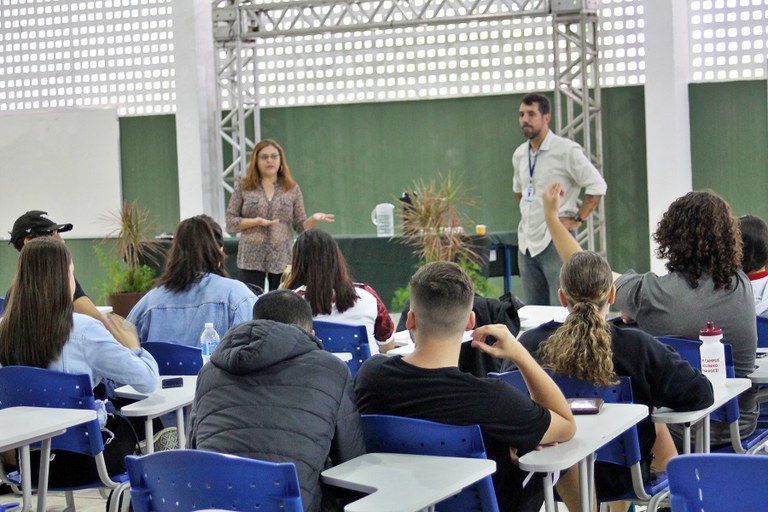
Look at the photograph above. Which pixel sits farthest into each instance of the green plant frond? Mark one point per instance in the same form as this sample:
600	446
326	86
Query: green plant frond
434	224
131	246
129	238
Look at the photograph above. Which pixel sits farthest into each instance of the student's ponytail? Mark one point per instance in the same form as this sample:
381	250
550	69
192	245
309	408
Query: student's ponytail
582	346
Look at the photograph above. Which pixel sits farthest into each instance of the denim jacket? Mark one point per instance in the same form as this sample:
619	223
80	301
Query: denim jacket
163	315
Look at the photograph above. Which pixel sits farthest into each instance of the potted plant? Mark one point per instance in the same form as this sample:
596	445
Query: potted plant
129	276
433	224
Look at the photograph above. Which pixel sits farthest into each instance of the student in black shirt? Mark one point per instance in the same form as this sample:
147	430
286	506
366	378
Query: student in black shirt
427	384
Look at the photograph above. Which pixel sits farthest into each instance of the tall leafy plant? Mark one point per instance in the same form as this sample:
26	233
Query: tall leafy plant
131	248
433	224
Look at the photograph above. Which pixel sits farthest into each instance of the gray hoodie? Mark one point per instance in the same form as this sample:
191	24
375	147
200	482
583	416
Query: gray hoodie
272	393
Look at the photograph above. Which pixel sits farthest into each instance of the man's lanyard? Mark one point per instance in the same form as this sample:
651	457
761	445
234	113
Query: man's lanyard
532	165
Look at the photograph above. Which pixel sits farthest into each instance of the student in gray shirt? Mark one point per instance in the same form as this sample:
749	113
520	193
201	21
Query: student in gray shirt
701	241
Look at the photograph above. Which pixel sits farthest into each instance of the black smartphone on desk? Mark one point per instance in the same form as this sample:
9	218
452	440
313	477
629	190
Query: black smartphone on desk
175	382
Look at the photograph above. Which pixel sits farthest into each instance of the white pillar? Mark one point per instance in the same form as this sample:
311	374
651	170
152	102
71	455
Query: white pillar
667	121
200	188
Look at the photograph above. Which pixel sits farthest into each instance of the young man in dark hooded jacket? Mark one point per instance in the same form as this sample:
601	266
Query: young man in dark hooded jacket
272	393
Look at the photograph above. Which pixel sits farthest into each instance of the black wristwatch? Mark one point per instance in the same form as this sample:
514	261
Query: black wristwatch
577	217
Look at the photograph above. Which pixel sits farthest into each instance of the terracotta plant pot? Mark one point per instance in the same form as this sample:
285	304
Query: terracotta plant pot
122	303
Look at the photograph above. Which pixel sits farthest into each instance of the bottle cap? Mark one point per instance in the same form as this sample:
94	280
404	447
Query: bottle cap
209	324
711	330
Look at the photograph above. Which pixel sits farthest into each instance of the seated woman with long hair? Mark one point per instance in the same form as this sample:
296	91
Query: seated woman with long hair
319	273
194	289
586	347
40	329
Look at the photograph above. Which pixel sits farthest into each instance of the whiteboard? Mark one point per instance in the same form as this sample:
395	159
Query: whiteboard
64	162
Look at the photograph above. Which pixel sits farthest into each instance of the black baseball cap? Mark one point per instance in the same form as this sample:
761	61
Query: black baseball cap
34	222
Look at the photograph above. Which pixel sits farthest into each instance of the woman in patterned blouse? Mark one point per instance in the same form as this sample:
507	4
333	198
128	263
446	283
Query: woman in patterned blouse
263	208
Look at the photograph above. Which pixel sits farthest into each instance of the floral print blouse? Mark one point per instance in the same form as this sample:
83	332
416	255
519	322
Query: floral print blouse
266	248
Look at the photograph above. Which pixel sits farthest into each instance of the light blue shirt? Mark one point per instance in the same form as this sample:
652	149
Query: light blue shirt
92	350
163	315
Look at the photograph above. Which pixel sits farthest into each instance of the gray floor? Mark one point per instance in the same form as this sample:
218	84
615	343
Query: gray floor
86	501
91	501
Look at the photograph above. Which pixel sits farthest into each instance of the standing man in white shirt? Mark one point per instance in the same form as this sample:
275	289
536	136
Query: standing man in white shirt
543	159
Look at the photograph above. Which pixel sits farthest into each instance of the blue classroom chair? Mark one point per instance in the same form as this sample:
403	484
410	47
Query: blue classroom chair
341	338
38	387
762	332
175	359
717	482
176	480
728	413
623	450
397	434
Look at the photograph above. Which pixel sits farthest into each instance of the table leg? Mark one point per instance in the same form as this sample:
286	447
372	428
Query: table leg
584	490
705	448
180	428
26	479
686	438
549	493
149	433
699	437
591	476
42	481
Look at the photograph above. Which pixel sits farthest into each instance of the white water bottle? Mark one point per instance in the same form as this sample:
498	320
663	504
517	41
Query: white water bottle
712	354
209	340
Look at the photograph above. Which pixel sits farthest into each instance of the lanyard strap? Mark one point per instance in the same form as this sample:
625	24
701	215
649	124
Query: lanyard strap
532	165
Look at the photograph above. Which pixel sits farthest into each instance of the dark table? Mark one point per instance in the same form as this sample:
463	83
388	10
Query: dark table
388	264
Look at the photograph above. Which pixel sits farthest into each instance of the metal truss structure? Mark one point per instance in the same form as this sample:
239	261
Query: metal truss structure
238	25
577	102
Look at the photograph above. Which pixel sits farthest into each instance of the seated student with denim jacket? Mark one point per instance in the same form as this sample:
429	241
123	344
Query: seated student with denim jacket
194	289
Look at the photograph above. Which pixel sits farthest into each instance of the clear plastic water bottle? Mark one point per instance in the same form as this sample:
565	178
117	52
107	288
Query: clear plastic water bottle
209	340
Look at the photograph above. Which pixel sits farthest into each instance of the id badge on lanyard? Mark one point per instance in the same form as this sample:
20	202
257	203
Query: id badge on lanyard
530	190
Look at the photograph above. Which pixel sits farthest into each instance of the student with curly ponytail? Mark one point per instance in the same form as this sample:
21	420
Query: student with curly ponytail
582	346
586	347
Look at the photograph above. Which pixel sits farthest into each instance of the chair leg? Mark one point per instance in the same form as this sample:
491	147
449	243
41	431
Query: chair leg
653	504
119	499
70	497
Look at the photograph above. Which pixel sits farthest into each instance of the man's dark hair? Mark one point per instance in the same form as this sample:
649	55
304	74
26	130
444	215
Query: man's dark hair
441	298
542	100
754	233
284	306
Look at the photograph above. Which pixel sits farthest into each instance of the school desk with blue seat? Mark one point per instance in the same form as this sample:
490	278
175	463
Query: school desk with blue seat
621	450
728	413
38	387
344	339
397	434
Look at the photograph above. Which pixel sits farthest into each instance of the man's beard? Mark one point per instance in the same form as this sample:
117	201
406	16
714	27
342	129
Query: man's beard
531	134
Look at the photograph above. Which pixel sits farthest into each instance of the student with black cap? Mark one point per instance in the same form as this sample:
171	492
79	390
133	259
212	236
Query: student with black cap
36	223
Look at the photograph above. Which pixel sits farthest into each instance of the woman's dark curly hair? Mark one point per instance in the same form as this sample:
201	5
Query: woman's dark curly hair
698	235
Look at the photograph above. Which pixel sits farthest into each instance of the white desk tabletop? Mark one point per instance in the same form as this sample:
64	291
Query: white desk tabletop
760	375
732	388
160	401
534	316
592	432
20	426
404	483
